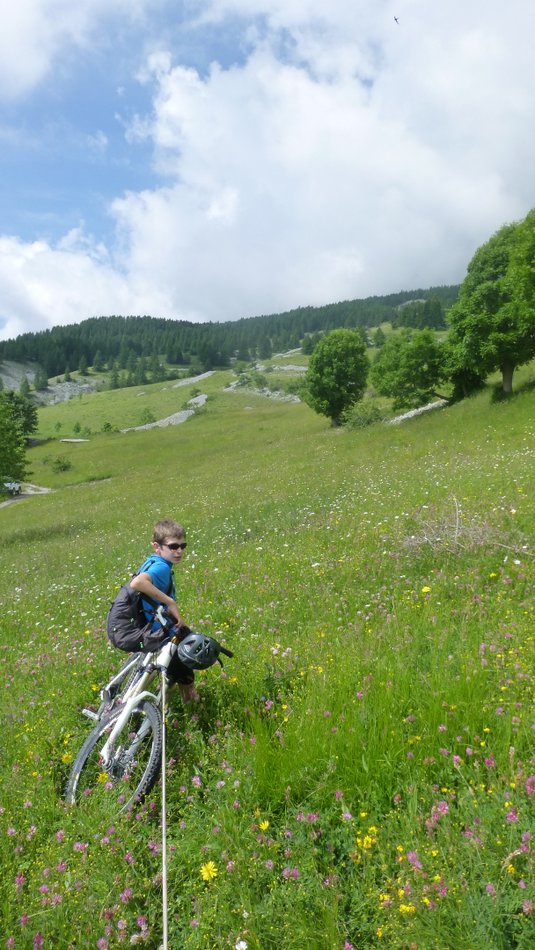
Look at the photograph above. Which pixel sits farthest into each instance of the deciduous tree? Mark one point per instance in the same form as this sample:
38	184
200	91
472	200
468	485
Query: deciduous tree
493	322
337	373
23	409
408	368
12	442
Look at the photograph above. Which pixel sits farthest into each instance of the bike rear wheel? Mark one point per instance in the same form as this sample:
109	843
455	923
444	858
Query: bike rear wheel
132	767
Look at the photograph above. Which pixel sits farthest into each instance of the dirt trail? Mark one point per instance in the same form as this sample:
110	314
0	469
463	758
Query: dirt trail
28	490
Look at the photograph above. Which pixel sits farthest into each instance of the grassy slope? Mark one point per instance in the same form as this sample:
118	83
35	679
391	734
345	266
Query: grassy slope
377	589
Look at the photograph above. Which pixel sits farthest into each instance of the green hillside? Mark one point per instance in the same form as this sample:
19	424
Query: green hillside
360	775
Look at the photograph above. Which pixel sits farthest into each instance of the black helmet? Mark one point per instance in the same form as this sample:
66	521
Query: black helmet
198	652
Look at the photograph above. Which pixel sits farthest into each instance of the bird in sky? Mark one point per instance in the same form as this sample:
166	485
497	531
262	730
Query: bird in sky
396	19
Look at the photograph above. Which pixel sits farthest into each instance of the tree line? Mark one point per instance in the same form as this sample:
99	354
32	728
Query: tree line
120	342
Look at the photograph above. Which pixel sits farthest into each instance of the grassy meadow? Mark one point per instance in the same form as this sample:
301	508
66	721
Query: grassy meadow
362	773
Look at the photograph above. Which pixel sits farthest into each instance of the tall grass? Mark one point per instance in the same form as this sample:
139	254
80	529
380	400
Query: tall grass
361	774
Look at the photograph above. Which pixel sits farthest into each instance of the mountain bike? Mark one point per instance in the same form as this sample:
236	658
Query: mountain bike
121	758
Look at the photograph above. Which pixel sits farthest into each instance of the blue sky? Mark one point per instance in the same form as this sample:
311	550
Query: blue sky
226	158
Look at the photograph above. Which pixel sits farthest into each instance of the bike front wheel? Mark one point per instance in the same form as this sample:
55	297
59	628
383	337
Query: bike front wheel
128	772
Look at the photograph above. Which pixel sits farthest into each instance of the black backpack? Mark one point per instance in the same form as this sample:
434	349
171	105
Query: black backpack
127	625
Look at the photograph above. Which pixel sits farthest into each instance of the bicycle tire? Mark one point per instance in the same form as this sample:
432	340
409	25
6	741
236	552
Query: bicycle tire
132	770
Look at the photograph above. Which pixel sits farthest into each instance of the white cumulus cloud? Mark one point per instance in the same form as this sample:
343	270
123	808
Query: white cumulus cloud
340	154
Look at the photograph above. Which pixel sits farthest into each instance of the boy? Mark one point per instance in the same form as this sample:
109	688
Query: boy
156	579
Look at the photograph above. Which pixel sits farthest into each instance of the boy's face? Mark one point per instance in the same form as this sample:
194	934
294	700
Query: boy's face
172	549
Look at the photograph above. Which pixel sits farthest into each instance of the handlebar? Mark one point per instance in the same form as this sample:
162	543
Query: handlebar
163	617
168	623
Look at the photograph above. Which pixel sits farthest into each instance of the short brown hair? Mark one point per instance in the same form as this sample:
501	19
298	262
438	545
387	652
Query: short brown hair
167	529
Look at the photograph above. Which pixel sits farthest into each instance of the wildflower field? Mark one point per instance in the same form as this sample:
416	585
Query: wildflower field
361	774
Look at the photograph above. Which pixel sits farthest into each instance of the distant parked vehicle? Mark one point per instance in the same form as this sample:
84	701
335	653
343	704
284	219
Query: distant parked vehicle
14	488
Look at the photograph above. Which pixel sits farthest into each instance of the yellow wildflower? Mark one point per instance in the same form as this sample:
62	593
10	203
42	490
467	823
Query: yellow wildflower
208	871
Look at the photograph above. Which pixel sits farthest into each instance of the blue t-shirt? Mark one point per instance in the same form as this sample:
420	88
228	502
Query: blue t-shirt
161	574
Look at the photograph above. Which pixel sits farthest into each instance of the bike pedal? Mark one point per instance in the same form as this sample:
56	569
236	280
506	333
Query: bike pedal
90	714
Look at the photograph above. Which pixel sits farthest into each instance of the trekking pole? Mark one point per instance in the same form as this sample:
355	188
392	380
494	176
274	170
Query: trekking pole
165	944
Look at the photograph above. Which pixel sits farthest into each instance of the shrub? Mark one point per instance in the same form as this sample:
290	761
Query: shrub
363	414
61	464
147	417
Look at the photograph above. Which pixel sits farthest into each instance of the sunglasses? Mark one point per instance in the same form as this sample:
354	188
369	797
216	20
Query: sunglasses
176	547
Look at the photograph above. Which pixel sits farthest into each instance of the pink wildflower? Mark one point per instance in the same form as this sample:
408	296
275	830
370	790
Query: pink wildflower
414	860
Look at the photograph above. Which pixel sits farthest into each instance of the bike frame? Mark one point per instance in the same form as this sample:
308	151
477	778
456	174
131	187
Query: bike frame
135	700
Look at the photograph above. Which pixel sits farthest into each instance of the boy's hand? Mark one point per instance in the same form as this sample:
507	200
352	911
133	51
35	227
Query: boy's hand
182	631
172	610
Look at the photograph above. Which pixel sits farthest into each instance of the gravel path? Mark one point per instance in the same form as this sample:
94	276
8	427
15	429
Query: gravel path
27	491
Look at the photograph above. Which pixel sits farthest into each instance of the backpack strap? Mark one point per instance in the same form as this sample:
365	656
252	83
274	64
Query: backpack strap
154	603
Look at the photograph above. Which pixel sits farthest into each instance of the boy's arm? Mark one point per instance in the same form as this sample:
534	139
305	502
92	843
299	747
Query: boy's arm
144	585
